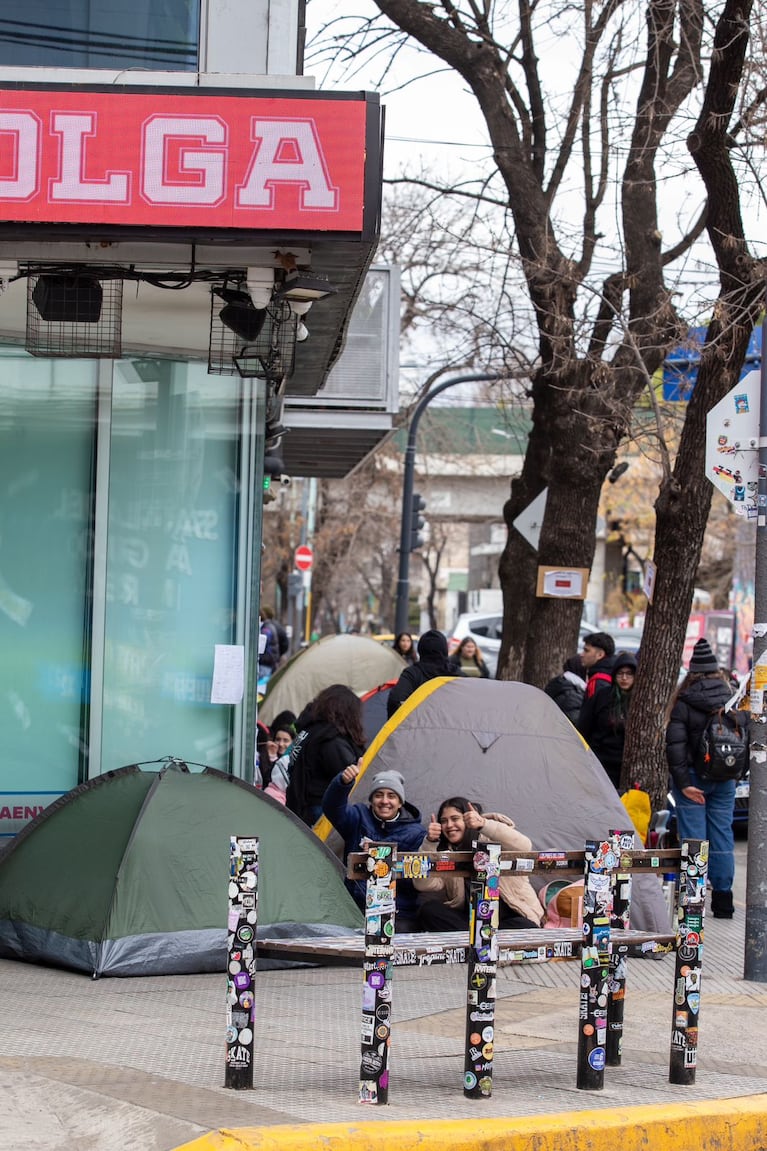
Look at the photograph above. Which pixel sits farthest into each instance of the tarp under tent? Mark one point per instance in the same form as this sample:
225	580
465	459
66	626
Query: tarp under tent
508	747
355	660
128	874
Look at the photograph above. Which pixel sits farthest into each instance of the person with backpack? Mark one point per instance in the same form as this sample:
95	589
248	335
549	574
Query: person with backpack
432	662
703	781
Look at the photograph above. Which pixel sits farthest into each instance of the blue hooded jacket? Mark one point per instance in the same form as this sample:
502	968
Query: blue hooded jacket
356	822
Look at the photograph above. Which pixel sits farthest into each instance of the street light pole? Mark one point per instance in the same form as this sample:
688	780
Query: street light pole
403	579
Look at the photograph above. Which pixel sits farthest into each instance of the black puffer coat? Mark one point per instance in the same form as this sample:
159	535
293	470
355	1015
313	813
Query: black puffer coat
567	691
688	720
318	754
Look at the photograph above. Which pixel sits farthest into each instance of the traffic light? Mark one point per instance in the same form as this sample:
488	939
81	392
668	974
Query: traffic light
417	521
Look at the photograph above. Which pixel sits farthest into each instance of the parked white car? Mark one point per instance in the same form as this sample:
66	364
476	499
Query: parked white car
485	630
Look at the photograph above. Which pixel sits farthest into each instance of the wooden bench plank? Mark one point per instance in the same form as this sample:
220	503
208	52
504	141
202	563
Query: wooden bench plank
434	948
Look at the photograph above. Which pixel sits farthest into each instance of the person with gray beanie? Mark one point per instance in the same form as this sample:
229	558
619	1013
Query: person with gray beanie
387	817
433	661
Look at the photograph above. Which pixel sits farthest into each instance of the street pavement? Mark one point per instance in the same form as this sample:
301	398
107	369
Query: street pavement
139	1063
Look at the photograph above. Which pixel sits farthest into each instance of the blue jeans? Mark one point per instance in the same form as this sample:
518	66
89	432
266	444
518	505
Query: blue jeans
711	821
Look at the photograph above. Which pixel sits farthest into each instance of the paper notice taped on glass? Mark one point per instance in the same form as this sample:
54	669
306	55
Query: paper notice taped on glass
228	673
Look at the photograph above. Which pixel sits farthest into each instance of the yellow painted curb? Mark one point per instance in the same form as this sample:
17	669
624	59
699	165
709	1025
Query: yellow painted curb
711	1125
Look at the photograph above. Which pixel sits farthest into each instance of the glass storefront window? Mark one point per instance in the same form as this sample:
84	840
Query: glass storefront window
171	562
47	421
129	531
159	35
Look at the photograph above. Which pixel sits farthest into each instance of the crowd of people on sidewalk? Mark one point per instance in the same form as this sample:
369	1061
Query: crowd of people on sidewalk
312	761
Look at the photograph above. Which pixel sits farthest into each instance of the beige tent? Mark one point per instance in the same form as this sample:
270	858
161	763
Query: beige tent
508	747
354	660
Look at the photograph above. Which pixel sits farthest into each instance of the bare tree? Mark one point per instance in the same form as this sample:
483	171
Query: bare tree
431	557
598	340
685	496
598	291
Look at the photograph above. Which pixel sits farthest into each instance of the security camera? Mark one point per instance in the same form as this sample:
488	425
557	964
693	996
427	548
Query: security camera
285	481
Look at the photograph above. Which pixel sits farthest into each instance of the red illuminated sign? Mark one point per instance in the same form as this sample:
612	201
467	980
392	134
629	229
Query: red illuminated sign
182	159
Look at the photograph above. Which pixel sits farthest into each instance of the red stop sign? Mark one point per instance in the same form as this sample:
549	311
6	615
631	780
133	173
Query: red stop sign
304	558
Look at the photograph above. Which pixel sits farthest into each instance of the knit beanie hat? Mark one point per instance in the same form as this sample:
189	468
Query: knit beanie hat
432	647
703	659
391	779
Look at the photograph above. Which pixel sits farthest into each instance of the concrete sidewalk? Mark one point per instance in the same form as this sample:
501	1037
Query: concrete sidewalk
101	1066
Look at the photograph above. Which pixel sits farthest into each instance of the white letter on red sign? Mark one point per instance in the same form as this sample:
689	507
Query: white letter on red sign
73	127
287	152
24	128
207	169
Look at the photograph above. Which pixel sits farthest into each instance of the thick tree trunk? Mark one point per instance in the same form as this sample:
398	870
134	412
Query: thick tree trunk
576	430
681	510
683	504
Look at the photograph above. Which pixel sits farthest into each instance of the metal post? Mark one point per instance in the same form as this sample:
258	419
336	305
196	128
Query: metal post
600	862
483	961
403	579
380	905
693	869
755	965
620	918
241	961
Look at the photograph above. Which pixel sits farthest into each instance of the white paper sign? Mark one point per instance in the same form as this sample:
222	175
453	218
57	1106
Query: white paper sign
228	673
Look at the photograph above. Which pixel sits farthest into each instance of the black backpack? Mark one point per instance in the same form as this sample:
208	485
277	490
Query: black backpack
723	749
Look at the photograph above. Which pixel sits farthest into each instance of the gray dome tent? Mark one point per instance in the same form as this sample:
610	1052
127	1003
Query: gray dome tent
127	874
508	747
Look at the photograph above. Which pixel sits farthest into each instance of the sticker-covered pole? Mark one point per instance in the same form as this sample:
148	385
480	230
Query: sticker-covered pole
241	961
755	958
693	870
620	917
483	963
377	971
601	860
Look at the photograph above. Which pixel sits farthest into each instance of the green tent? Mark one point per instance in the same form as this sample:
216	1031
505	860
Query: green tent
128	874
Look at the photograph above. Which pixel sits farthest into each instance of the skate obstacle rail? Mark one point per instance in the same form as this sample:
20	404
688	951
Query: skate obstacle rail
603	945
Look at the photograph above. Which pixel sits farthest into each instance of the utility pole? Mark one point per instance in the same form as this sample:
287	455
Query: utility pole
403	580
755	966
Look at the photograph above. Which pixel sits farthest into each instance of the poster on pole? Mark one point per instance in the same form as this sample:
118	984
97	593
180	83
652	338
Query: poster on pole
732	445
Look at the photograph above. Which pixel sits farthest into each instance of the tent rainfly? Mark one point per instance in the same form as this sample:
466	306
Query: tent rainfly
355	660
128	874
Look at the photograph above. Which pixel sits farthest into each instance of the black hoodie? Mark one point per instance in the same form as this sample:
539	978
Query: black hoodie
432	662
